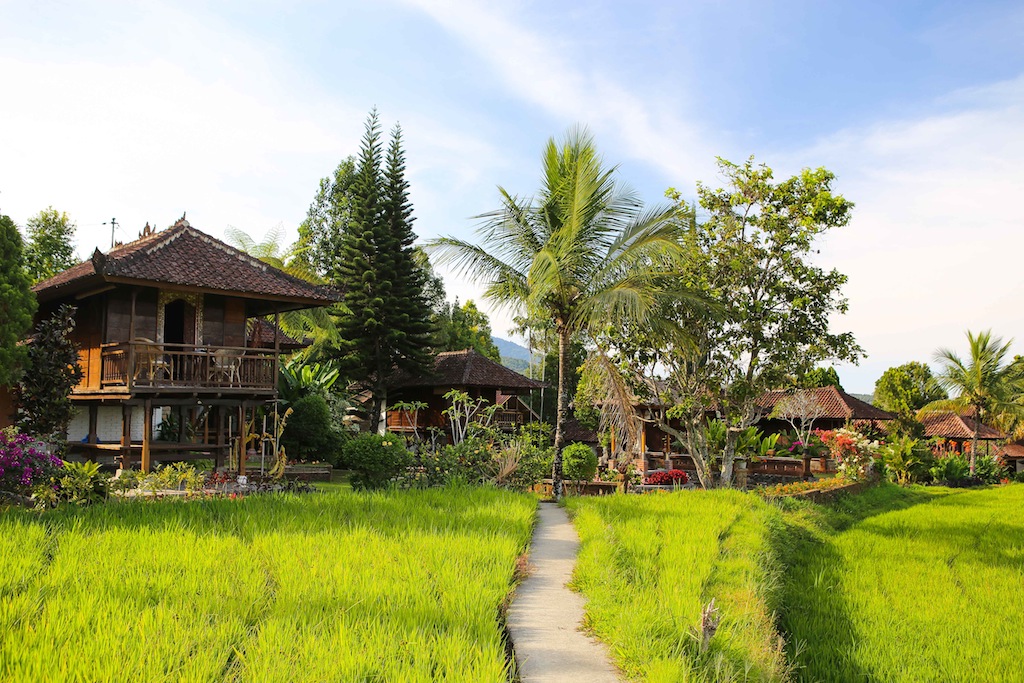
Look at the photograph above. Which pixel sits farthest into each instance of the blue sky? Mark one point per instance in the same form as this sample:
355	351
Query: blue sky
233	111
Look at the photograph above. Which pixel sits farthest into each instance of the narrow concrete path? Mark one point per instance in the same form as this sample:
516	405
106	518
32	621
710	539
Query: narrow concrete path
545	616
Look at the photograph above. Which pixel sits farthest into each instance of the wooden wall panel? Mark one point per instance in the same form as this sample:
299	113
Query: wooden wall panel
213	320
234	322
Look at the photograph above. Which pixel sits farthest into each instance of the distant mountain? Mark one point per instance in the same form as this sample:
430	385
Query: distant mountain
867	398
509	349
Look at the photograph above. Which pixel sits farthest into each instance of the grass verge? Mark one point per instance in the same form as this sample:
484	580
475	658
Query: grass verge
337	586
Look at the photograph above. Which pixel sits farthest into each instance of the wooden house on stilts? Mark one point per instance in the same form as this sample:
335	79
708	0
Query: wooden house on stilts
161	325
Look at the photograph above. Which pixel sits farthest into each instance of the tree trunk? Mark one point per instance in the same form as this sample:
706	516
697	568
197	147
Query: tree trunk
974	441
561	414
728	456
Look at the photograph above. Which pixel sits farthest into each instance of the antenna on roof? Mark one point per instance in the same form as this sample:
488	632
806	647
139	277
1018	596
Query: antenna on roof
113	227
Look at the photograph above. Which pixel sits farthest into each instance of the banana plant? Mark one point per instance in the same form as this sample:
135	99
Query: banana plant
297	379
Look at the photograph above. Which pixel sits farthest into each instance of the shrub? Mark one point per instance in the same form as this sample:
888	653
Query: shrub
310	433
670	478
851	450
579	462
906	460
23	467
375	460
988	469
950	468
82	483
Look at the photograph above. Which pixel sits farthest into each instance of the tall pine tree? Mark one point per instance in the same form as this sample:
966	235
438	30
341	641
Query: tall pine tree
384	323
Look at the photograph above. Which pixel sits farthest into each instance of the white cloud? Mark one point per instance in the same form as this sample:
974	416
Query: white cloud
538	68
935	243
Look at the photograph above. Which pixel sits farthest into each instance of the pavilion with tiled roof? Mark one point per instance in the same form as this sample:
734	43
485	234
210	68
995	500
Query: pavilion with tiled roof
957	427
830	408
468	371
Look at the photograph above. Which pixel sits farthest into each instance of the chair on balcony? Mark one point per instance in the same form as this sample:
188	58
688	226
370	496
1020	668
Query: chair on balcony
225	366
150	361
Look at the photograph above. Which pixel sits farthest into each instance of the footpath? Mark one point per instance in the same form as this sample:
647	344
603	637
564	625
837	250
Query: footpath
545	618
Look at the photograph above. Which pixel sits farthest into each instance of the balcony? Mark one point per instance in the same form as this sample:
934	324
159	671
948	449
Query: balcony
143	366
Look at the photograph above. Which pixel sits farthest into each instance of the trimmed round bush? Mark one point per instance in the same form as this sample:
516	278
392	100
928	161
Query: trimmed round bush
375	460
579	462
309	433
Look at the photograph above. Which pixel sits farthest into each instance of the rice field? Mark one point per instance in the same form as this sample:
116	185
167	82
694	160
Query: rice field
649	564
405	586
909	585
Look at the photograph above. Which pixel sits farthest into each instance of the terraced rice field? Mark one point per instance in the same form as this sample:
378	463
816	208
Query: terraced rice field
649	564
404	586
930	591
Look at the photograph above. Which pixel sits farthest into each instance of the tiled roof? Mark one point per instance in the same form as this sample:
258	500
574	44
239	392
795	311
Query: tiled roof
835	404
949	425
468	369
1013	451
184	256
576	432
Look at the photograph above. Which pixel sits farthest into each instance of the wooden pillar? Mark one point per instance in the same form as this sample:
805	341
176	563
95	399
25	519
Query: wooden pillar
241	438
126	436
277	350
93	420
218	459
183	415
147	434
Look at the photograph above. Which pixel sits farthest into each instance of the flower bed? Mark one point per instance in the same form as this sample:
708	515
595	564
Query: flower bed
817	491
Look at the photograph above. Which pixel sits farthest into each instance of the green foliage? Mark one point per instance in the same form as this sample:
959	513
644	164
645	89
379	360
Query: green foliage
383	322
43	394
49	250
464	327
820	377
327	220
19	304
311	433
649	564
907	388
297	379
336	586
82	483
950	468
906	460
579	461
989	469
375	460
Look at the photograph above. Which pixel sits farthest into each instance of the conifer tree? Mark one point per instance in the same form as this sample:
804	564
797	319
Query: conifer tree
17	303
409	319
384	322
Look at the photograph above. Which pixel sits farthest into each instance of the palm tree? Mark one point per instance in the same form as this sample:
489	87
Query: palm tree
583	254
985	383
315	324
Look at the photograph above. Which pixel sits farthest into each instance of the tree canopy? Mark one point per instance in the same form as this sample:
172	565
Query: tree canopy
49	249
771	306
17	303
905	389
464	326
985	382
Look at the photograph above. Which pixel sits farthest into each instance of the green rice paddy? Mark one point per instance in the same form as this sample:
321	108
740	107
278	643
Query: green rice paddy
908	585
649	564
404	586
893	584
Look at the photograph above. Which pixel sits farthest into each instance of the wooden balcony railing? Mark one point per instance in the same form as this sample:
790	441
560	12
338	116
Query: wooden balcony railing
147	365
